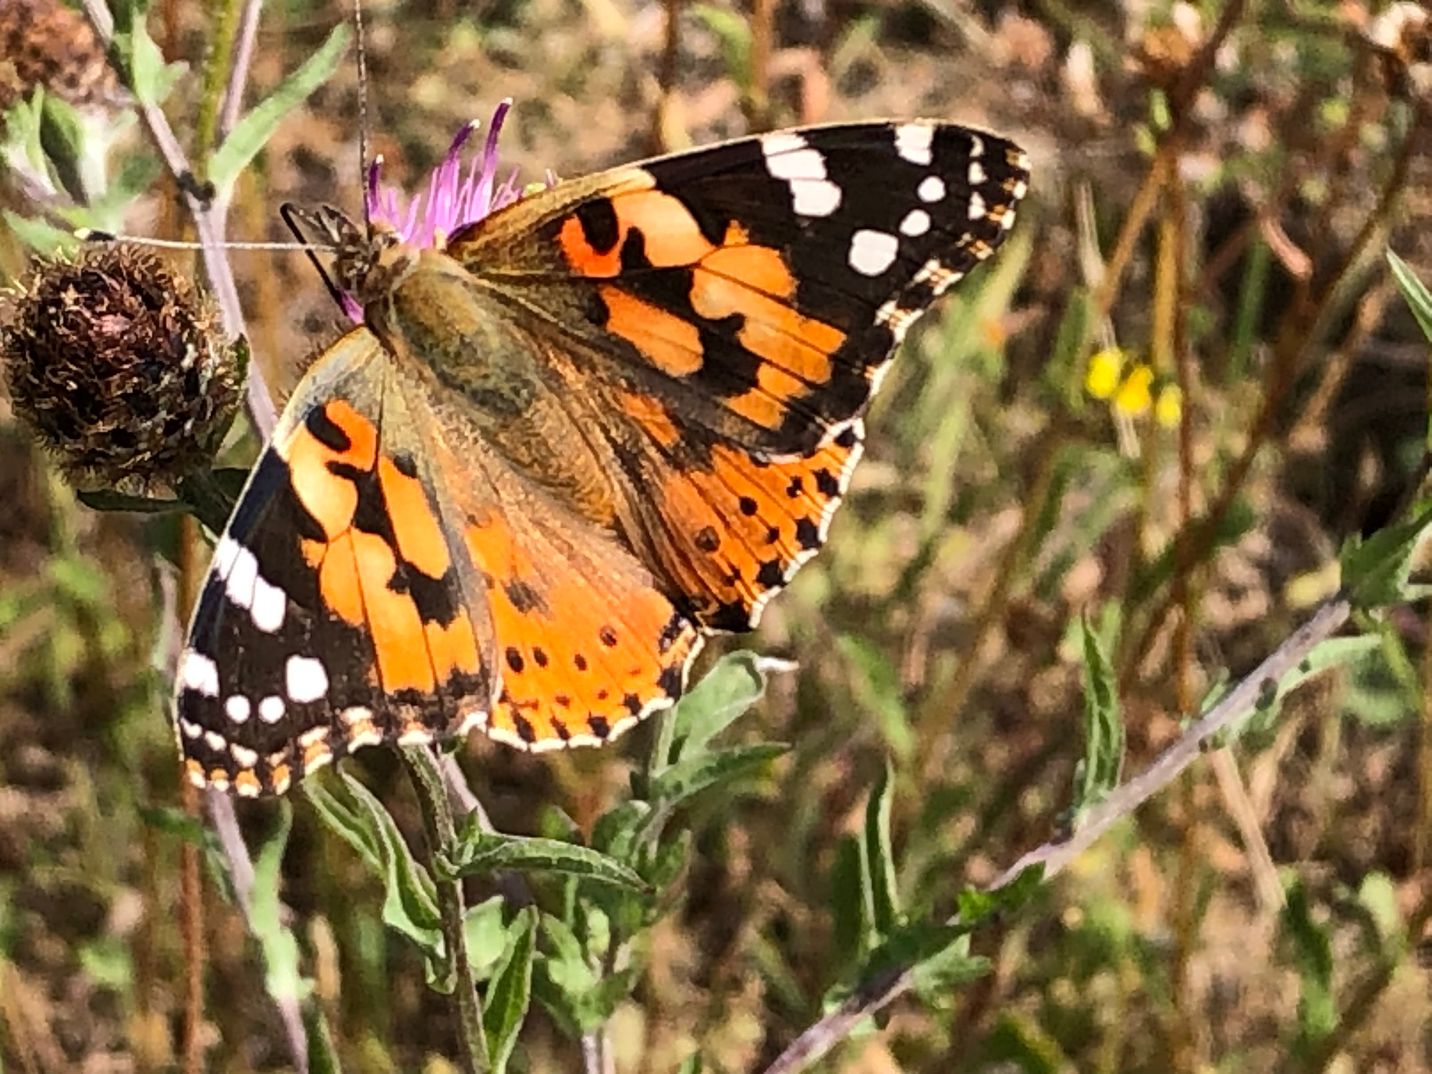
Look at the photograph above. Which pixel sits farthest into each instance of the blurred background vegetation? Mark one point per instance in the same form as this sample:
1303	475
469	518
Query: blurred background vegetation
1184	383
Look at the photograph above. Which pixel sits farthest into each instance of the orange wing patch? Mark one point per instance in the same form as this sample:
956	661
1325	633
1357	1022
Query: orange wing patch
737	531
585	642
383	562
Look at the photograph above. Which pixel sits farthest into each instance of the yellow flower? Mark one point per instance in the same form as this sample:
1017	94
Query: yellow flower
1134	397
1102	378
1168	410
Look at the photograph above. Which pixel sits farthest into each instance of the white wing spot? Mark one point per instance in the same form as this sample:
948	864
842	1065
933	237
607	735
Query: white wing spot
237	708
916	223
225	554
246	757
977	173
790	158
269	606
913	142
818	198
198	673
872	252
214	740
931	189
189	729
271	709
978	209
976	147
305	679
241	578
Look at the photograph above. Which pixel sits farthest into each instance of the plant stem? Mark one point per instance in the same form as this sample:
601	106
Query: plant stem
427	775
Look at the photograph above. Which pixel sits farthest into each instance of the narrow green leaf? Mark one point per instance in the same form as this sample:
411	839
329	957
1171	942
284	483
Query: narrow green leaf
409	897
875	685
63	138
477	852
1098	772
690	777
505	1006
1414	291
1375	570
39	235
880	856
1324	656
1313	956
252	132
724	693
733	32
322	1056
1066	360
282	978
851	925
692	1064
141	63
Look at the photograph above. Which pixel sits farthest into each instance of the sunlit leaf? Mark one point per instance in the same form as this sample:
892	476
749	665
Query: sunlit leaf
477	851
253	131
505	1005
1098	771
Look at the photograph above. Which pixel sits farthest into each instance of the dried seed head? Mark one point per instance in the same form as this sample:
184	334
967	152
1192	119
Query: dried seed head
44	43
120	367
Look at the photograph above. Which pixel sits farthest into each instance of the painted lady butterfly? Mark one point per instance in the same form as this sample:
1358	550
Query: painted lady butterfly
589	428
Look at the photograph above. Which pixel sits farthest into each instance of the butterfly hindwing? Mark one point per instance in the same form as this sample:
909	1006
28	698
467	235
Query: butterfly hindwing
756	287
336	612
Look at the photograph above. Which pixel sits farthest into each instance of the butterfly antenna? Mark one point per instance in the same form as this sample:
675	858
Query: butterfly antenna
362	110
90	234
294	218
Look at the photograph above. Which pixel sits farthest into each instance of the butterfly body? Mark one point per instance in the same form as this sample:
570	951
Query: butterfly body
592	428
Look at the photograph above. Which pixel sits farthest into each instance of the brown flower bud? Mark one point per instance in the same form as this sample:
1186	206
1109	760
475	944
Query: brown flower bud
120	366
44	43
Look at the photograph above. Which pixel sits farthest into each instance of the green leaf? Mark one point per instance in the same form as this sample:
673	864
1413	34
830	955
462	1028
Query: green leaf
485	934
1324	656
409	897
1313	956
974	905
477	852
850	902
569	987
689	777
63	138
733	31
282	978
880	857
322	1056
1098	772
252	132
141	63
736	683
876	688
938	975
40	235
109	500
1419	299
1064	368
1375	571
505	1005
692	1064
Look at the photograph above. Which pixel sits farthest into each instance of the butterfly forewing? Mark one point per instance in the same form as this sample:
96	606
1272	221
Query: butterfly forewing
757	287
339	610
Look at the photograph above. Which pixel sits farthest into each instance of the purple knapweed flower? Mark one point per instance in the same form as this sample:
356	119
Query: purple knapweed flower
455	196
